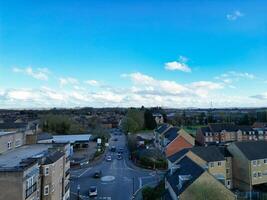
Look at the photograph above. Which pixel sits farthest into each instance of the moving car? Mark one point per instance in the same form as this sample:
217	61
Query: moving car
108	158
97	174
119	156
92	191
120	150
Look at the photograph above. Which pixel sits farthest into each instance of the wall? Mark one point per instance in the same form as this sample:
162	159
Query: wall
12	137
240	169
207	187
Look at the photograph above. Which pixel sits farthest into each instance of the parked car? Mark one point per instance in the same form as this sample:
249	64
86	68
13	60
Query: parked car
115	139
120	150
98	174
108	158
92	191
113	149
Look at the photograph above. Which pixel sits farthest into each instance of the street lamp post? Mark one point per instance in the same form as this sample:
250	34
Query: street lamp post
78	191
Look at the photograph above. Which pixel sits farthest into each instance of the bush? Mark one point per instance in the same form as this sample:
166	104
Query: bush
146	161
148	193
156	193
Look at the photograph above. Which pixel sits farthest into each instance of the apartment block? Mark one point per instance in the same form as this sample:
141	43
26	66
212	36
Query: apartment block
226	133
33	172
249	165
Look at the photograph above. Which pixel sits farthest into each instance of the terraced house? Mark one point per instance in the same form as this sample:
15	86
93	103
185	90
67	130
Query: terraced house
249	165
225	133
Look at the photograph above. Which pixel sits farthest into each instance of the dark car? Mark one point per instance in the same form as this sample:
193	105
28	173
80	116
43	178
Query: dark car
113	149
119	157
120	150
97	174
115	139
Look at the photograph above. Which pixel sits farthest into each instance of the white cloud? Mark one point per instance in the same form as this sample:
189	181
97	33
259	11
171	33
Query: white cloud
40	73
92	82
67	81
172	66
234	15
179	65
260	96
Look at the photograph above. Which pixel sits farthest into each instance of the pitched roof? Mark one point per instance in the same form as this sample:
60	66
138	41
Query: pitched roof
162	128
253	150
218	127
178	155
187	167
172	133
245	128
167	195
209	153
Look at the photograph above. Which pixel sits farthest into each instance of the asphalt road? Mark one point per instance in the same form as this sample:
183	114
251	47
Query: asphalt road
119	180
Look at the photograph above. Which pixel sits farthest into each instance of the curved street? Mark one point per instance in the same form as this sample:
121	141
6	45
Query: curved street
120	178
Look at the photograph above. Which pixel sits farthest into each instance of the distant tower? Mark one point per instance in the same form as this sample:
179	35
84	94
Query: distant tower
211	105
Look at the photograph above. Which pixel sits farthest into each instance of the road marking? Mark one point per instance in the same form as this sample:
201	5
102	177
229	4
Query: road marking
140	182
85	172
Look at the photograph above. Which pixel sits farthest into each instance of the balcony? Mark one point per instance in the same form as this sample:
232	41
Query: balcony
67	187
67	173
31	190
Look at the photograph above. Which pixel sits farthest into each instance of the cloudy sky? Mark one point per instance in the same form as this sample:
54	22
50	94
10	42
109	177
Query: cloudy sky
173	53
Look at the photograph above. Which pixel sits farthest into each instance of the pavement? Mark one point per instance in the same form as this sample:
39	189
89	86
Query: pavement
120	178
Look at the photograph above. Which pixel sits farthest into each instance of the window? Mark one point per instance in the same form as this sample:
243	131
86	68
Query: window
265	161
53	187
254	162
211	164
46	171
46	190
255	174
17	143
228	183
259	174
219	163
9	145
258	162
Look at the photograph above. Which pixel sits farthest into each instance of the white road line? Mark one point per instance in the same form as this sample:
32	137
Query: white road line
85	172
140	182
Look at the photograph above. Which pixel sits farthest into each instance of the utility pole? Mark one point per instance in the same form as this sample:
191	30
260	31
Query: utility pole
78	191
133	185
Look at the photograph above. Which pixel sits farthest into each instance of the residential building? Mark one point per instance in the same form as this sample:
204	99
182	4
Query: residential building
160	131
158	118
190	180
52	170
218	162
249	165
227	132
175	140
22	170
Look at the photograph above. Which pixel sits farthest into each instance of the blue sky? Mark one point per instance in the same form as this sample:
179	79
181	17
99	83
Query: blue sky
130	53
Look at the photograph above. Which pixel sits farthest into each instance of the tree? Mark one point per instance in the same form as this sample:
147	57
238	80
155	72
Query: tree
150	122
133	121
129	125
